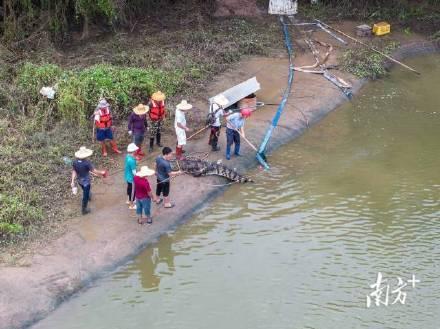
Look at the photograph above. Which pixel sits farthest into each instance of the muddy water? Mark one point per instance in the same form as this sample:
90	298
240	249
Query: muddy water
356	195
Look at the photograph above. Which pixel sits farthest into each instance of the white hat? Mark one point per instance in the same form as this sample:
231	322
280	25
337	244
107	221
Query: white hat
103	103
83	153
184	106
132	147
145	171
220	100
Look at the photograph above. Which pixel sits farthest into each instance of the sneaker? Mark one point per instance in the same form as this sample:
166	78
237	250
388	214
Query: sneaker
216	149
133	207
85	211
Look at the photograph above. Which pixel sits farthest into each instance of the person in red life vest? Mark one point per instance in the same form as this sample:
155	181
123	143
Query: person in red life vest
157	115
104	126
136	127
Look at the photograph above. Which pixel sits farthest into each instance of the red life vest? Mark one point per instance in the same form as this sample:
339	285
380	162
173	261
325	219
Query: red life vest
157	110
105	118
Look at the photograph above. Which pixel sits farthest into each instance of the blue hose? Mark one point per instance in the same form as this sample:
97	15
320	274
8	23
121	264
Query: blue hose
261	157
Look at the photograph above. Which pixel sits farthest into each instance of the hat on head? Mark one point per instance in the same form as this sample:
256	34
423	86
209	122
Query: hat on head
246	112
83	153
158	96
141	109
103	103
145	171
132	147
184	106
220	100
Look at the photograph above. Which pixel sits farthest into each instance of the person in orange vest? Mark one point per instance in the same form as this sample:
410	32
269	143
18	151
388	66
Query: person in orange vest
157	115
104	126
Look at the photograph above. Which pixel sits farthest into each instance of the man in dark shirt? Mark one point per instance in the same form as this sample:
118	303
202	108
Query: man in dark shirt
82	169
164	174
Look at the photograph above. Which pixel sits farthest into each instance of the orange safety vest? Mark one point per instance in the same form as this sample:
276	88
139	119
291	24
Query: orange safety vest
157	110
105	118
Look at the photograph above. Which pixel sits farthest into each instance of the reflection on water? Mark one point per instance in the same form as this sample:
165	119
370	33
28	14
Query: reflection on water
356	195
145	266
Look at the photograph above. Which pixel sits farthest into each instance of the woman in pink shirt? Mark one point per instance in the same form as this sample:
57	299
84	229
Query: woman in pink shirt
143	195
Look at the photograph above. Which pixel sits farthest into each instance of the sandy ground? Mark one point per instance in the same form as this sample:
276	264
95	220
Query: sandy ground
109	236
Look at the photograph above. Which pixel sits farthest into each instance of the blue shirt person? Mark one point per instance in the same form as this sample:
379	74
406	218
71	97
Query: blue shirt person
81	170
235	127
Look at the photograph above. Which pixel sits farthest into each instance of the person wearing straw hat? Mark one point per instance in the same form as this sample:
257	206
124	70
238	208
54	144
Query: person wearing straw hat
104	126
235	127
143	194
180	126
82	168
215	114
137	122
129	172
156	115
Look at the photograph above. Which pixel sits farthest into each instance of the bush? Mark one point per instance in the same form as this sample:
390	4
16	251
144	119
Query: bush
79	90
365	63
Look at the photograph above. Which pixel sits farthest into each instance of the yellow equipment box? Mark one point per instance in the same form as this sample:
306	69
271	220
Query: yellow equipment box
381	28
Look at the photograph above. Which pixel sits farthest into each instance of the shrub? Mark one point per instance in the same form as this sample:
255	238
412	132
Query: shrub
365	63
79	90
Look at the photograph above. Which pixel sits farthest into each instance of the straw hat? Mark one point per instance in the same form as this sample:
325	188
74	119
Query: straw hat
158	96
132	147
220	100
184	106
103	103
145	171
141	109
83	153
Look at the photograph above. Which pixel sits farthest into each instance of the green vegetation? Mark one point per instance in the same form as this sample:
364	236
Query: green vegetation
421	16
365	63
78	90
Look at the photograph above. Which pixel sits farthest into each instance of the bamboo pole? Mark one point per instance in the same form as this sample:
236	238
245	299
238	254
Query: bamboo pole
247	141
198	132
368	46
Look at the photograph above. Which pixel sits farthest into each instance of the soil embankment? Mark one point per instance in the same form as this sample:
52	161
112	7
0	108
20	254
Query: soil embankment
110	235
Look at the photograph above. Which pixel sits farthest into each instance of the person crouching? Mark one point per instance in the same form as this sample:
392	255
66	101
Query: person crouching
143	195
180	126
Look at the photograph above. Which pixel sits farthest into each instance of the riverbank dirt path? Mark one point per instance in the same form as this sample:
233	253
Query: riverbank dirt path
109	236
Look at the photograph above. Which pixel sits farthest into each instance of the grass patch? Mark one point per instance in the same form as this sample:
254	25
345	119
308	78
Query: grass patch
365	63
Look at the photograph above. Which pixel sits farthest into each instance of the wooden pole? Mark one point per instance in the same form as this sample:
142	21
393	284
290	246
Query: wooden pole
198	132
247	141
368	46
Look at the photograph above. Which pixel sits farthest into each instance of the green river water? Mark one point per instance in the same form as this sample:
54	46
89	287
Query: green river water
356	195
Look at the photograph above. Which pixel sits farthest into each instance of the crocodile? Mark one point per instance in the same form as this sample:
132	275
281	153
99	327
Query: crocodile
198	168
